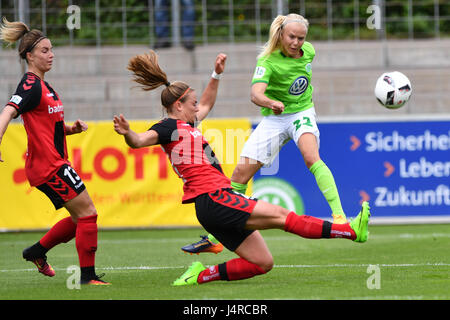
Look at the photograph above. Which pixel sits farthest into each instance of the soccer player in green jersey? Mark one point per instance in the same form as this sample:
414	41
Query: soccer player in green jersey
281	86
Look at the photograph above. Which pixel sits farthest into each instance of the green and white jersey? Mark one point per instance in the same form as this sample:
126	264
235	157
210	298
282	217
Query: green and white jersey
288	79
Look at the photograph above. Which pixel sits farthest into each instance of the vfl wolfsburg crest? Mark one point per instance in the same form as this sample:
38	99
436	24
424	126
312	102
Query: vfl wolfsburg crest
299	86
280	192
308	67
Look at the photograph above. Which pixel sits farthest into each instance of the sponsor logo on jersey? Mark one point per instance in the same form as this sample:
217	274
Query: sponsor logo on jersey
16	99
195	133
299	86
55	109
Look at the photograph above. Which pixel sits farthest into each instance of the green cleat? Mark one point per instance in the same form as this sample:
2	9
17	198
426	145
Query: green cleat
190	276
361	223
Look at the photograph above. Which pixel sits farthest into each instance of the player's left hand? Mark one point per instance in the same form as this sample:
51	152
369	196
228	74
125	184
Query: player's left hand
79	126
219	66
121	125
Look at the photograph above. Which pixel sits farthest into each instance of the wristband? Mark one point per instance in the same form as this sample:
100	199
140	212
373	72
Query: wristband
216	75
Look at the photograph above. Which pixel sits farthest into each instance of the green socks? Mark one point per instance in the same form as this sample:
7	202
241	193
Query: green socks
239	187
327	185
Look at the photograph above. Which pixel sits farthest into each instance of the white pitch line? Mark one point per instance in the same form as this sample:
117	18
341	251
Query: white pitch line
103	268
364	265
267	238
401	265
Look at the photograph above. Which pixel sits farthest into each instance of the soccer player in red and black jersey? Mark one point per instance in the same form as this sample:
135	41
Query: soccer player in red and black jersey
230	216
47	166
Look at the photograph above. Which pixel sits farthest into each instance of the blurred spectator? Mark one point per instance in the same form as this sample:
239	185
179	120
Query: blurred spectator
162	24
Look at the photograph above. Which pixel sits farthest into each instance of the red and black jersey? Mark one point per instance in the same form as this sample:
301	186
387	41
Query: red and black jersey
43	117
191	157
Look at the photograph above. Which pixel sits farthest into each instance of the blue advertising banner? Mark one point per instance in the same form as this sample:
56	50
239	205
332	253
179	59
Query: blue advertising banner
401	167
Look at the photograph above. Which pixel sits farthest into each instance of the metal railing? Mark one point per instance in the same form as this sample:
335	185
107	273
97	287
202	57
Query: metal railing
230	21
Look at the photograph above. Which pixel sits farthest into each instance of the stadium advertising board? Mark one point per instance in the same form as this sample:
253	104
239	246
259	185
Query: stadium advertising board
401	167
129	187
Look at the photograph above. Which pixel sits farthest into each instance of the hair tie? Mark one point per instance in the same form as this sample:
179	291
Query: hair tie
294	20
167	83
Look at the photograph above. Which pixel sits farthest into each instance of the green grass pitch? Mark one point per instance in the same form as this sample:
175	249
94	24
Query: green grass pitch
397	263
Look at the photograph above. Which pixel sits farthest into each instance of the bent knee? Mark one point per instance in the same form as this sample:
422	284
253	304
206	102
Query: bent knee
310	159
282	214
86	209
80	207
266	264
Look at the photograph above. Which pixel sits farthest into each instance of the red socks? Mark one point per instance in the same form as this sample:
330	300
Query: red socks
342	231
86	240
314	228
210	274
85	232
62	231
303	225
240	268
235	269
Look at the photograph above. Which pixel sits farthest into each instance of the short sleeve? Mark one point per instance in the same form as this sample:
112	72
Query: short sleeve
262	72
167	130
27	96
309	50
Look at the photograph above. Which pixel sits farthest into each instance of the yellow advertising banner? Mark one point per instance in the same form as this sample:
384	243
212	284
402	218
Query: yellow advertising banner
129	187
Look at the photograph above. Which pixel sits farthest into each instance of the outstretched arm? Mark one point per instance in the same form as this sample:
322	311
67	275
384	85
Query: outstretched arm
209	95
6	116
134	139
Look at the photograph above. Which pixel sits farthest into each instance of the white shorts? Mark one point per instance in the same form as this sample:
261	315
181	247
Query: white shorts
274	131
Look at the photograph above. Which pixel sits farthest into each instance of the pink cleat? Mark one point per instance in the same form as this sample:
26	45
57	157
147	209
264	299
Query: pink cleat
44	267
40	260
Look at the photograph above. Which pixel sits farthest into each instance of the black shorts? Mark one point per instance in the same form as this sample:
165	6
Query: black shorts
224	214
63	186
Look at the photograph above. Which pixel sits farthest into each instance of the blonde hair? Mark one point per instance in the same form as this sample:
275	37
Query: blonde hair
149	75
276	29
11	32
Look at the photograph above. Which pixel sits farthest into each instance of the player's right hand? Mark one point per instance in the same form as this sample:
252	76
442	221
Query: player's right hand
277	107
